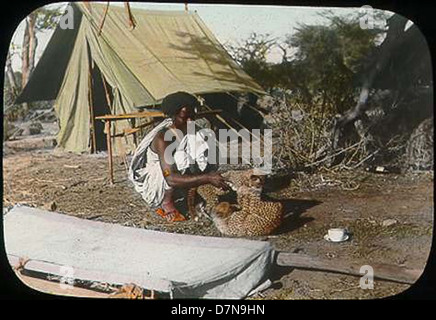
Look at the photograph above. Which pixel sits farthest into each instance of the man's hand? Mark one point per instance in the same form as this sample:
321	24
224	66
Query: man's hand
218	181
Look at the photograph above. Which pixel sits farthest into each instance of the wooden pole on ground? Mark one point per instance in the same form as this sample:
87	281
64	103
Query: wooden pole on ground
381	271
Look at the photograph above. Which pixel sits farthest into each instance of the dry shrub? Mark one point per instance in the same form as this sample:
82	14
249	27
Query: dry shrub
419	148
301	133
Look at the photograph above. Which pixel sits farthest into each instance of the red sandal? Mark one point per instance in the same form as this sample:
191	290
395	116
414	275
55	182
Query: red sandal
171	216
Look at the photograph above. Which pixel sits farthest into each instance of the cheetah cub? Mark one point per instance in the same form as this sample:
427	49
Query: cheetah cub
241	181
252	217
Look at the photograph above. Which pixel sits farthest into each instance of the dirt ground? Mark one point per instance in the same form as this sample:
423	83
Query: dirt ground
389	216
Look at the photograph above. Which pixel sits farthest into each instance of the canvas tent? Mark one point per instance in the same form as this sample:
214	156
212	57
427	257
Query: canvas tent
103	66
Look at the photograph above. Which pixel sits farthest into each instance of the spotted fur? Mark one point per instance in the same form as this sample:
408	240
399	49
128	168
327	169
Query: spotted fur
251	217
240	181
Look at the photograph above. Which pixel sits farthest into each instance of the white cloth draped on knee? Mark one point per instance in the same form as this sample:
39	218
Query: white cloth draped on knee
145	171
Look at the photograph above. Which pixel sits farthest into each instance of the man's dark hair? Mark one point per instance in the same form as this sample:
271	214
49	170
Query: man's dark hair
173	102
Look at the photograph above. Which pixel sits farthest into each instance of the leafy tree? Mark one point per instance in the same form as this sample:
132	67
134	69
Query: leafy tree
42	19
328	59
398	73
251	55
351	86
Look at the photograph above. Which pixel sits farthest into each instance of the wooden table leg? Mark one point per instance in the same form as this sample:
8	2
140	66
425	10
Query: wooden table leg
107	129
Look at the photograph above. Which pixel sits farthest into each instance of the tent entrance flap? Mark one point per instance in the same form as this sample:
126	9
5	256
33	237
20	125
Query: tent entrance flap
100	105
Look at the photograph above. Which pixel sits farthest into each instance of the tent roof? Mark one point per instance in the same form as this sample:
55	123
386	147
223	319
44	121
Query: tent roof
167	51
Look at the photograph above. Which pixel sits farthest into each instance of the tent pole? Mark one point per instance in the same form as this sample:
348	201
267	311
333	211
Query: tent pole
91	111
106	92
225	122
123	150
107	130
216	115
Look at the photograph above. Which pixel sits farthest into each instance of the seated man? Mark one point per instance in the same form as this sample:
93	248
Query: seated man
157	175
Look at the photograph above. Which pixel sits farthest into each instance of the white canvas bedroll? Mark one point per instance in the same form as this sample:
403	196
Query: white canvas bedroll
185	266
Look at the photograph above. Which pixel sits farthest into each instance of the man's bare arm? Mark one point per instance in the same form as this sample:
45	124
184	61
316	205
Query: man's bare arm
174	178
